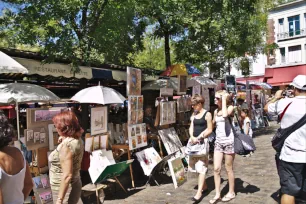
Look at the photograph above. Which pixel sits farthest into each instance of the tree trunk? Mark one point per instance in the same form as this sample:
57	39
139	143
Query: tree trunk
229	66
167	49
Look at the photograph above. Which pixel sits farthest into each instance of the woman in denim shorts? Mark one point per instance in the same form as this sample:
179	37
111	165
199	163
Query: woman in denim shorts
224	145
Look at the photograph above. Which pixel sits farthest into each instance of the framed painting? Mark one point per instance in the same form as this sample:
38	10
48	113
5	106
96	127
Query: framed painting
177	171
98	120
170	140
133	81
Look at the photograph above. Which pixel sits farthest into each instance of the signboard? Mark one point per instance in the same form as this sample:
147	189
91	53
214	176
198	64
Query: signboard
166	92
54	69
230	82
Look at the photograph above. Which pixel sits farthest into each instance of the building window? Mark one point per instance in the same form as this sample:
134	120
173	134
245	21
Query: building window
281	27
295	54
294	25
283	54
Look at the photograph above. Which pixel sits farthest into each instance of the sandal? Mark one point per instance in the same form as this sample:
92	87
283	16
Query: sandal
228	198
214	200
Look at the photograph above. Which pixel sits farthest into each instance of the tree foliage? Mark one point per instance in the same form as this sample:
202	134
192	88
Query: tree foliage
165	19
220	31
152	56
78	30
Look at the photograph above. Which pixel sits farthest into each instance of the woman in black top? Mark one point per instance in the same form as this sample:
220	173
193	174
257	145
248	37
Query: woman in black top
200	129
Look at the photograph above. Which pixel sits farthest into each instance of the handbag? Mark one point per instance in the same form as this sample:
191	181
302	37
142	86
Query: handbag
201	148
242	143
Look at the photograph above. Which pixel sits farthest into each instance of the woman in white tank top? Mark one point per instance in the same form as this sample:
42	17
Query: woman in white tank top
15	177
224	146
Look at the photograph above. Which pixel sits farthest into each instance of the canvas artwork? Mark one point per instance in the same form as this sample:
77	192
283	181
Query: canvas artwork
46	196
163	113
103	141
36	137
42	137
45	181
180	105
37	182
98	120
53	137
167	112
30	135
135	110
137	137
148	159
45	115
182	85
177	171
96	143
133	81
196	90
170	140
189	104
88	144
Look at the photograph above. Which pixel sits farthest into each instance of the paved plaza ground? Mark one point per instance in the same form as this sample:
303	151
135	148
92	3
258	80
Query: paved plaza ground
256	181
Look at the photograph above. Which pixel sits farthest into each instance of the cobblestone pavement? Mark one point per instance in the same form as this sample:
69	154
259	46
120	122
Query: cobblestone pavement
256	181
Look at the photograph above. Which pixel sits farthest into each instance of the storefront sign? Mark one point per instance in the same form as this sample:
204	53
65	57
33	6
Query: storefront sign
53	69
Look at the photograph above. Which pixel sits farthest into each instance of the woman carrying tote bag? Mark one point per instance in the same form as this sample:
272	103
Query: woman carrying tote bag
224	145
198	147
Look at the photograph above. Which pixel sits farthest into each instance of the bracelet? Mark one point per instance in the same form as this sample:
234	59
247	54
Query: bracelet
59	199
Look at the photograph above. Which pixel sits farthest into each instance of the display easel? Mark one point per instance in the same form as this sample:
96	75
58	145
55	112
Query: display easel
116	148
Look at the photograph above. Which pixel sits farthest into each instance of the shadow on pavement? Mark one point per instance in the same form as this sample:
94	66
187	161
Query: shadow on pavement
239	188
265	131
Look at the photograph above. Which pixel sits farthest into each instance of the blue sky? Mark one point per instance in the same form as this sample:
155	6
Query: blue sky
4	5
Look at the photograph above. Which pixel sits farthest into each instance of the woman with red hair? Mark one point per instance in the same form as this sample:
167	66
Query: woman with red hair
66	160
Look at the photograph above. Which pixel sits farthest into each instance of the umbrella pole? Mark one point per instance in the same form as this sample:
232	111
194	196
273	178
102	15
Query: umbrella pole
17	114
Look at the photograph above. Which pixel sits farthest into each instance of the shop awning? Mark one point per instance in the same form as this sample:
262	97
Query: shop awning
251	78
284	75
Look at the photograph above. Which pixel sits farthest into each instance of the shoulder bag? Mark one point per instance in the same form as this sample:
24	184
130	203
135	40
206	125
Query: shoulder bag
281	135
242	143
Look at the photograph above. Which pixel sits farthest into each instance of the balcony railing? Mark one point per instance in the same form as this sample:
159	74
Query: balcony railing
291	34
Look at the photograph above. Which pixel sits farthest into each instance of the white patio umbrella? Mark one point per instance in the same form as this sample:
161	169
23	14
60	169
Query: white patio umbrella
98	94
161	83
22	93
9	65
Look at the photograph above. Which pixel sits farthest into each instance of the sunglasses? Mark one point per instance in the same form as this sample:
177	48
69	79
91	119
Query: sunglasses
217	98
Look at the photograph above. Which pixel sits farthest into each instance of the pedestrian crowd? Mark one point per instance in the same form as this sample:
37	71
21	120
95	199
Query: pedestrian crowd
290	143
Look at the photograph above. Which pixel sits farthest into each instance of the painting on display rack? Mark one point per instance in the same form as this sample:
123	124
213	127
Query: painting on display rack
177	171
137	136
167	113
148	159
133	81
45	115
135	110
98	120
170	140
36	138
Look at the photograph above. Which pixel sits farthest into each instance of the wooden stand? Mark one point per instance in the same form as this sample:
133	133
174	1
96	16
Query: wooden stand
157	138
116	149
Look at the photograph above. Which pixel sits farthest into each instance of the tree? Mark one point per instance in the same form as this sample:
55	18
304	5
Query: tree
83	31
220	31
152	56
165	20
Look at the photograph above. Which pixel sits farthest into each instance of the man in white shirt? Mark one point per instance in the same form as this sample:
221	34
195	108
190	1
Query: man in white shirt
292	164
